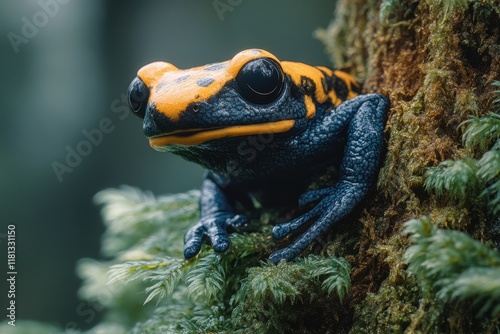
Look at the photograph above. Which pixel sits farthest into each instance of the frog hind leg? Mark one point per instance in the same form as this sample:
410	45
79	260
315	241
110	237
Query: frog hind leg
365	117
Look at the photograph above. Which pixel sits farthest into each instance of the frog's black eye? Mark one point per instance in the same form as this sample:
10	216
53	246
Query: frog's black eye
260	81
138	95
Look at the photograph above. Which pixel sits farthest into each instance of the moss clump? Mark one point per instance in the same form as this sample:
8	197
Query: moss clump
232	292
456	271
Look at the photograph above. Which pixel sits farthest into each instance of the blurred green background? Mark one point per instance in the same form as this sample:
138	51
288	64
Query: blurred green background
65	65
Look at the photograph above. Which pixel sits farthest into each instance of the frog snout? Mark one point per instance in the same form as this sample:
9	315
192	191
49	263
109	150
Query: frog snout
138	95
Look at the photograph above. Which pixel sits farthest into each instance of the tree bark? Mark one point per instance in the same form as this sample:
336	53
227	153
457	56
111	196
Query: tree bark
436	61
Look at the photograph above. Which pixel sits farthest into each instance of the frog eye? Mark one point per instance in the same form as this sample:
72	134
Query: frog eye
138	95
260	81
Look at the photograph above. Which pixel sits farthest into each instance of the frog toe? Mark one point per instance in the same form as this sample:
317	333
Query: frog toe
313	196
191	250
282	230
287	254
303	241
193	240
216	232
221	245
237	221
220	242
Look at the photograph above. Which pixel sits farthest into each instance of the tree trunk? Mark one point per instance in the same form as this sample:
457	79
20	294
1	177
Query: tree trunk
436	61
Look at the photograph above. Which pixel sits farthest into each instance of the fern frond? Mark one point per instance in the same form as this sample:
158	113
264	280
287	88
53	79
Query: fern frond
132	216
481	132
165	319
336	273
133	270
496	100
492	194
119	203
481	286
274	282
259	302
456	178
420	228
290	280
165	272
126	207
166	280
470	179
207	277
205	319
489	171
243	245
489	166
450	264
420	231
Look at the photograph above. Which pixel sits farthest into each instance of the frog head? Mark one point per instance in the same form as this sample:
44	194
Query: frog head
247	95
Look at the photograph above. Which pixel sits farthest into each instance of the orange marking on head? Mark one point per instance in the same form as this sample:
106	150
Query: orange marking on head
310	107
173	90
297	70
334	98
325	69
151	72
349	81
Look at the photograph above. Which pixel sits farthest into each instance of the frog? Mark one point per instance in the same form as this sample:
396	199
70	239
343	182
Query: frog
261	128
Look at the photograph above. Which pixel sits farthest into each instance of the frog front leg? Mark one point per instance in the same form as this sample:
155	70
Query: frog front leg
364	118
216	216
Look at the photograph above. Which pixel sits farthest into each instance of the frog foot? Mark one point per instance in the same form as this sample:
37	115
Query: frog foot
334	203
216	229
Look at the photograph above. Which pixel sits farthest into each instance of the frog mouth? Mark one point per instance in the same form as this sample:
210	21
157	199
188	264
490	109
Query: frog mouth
200	136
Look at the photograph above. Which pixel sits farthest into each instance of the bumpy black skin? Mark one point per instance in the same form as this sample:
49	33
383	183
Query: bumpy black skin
276	166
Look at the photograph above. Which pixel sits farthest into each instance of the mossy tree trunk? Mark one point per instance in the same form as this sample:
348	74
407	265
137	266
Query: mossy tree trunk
436	60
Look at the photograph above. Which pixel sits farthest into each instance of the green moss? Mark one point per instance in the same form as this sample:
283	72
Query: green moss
390	310
231	292
471	181
454	267
436	62
279	298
